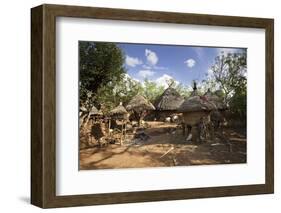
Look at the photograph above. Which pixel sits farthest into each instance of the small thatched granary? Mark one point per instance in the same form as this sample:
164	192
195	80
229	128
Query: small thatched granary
194	108
168	103
196	111
119	113
139	106
85	115
95	113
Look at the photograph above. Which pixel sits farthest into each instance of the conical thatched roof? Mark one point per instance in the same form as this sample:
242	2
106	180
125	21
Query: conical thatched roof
169	100
95	111
118	111
212	97
195	104
139	104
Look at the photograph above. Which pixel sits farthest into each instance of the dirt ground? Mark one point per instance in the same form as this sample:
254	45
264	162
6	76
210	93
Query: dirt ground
166	146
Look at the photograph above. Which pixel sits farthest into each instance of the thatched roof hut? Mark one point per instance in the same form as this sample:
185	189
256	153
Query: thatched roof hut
119	112
215	99
139	104
170	100
195	108
195	104
95	112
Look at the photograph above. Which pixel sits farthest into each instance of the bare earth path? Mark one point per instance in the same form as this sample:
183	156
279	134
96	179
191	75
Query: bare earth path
166	148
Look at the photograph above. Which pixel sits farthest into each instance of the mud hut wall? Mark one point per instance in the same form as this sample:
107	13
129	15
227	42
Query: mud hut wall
193	118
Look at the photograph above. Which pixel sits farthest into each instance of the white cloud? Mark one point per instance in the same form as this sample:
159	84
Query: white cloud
145	73
151	57
147	67
132	62
190	62
164	81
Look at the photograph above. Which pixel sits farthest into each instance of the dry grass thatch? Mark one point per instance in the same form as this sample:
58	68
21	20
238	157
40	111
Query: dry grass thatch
139	104
119	112
197	103
169	100
212	97
94	111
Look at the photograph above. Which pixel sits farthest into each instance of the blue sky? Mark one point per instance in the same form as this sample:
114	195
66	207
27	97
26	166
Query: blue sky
161	62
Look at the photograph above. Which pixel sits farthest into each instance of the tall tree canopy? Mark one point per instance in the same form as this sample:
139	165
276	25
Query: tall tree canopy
228	74
100	64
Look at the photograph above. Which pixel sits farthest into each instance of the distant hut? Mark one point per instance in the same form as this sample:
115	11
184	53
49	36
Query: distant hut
168	103
85	115
139	106
215	99
217	116
196	110
121	114
95	113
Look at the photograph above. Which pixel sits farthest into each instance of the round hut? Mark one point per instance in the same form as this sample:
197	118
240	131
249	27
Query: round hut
196	112
168	103
139	106
215	99
194	108
217	116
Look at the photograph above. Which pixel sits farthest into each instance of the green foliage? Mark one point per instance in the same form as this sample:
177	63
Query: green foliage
229	75
238	102
104	82
122	91
183	90
151	90
100	64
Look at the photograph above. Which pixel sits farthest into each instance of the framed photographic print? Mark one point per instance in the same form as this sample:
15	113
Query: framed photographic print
137	106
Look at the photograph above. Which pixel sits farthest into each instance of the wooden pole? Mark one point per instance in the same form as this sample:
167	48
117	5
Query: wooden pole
109	125
121	140
125	130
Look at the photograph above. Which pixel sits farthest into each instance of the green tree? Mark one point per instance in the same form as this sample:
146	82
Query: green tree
121	91
229	74
100	64
183	90
151	90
